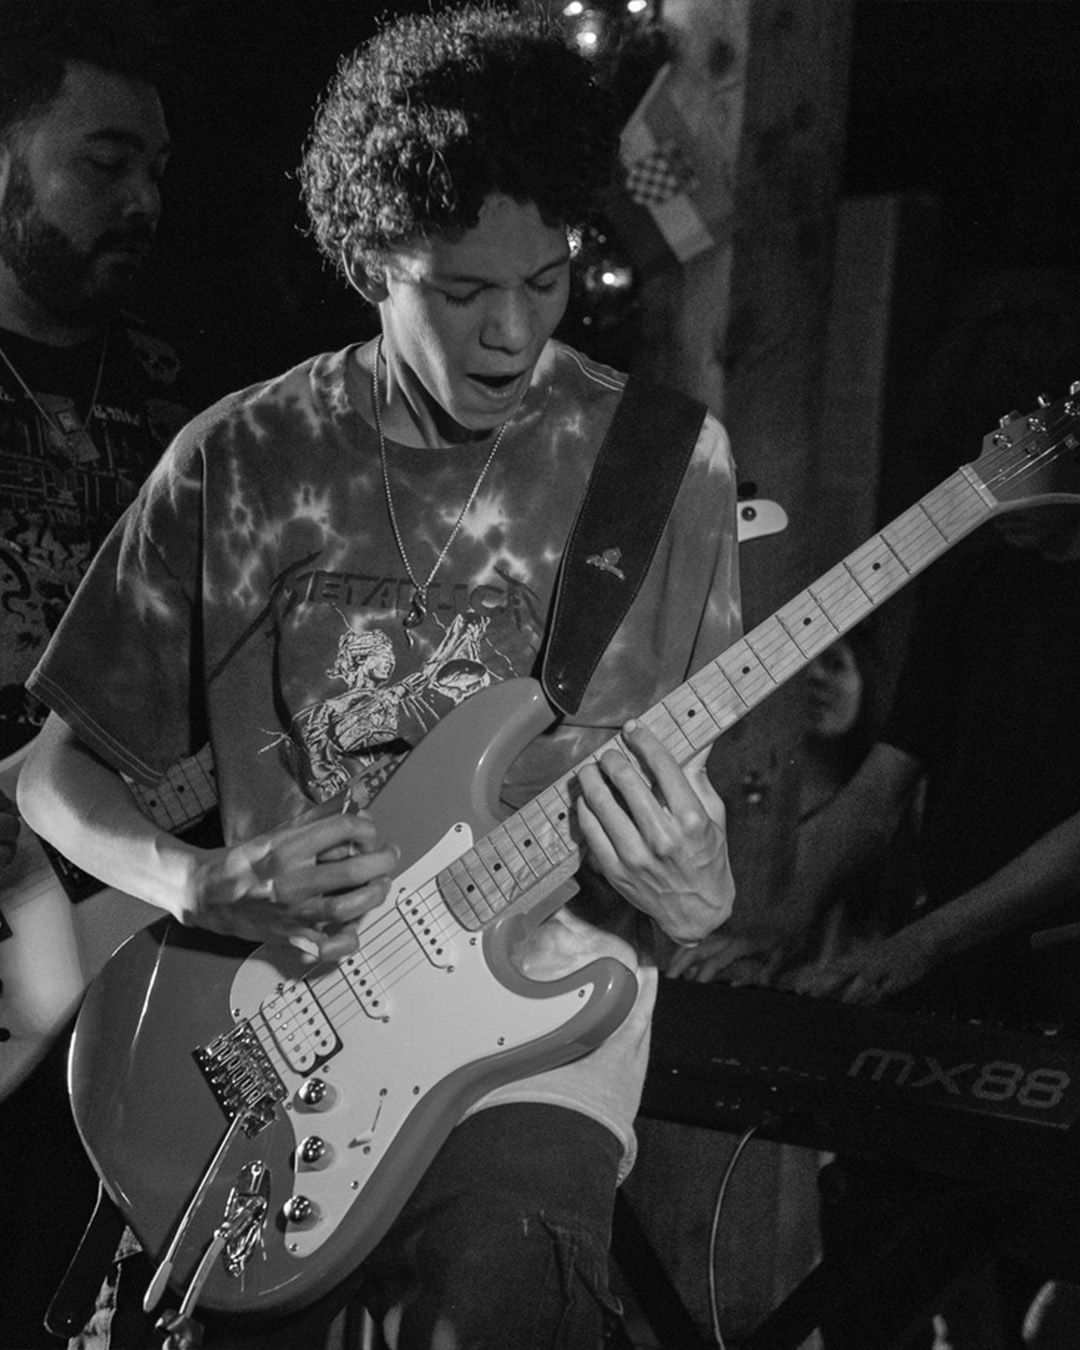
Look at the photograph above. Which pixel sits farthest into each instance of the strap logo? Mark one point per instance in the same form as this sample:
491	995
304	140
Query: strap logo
608	561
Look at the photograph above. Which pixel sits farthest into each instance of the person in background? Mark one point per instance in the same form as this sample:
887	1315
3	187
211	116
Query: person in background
89	395
841	716
89	398
338	558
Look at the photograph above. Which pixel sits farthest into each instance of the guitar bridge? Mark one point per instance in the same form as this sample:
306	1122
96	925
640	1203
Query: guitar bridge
240	1075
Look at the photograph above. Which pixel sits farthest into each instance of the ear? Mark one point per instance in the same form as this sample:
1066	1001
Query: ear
373	289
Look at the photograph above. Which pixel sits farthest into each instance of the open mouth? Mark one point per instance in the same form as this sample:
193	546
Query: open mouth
496	381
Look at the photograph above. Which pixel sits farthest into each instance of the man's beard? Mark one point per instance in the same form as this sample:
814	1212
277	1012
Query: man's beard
59	277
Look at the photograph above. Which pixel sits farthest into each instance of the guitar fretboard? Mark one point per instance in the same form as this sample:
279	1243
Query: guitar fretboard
184	796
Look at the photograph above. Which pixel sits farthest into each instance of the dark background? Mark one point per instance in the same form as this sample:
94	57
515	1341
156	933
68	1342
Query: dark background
974	101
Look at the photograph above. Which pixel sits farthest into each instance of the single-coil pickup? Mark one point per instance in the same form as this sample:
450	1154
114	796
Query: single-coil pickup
359	974
425	913
300	1028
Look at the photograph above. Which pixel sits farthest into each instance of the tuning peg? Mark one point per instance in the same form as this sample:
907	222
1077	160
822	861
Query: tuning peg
1043	401
1013	416
1074	388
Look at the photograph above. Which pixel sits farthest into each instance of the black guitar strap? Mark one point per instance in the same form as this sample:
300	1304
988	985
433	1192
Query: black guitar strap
622	516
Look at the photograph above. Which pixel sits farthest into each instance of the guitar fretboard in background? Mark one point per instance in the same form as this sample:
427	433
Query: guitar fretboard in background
184	796
180	801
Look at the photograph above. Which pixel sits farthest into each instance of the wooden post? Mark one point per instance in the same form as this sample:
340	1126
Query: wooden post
743	326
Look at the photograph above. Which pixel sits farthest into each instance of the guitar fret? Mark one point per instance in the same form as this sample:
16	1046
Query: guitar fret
877	569
464	896
841	597
501	876
809	627
708	692
773	646
956	506
552	836
668	732
518	857
915	539
748	676
484	880
184	795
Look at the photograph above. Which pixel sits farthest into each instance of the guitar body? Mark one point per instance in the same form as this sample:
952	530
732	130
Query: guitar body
52	947
404	1036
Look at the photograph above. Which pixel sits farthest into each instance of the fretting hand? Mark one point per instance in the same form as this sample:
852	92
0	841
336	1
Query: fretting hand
659	839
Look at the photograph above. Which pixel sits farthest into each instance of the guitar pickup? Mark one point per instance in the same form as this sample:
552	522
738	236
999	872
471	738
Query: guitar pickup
426	916
359	974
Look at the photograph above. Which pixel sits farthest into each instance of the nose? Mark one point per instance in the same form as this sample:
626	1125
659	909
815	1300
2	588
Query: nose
508	321
142	197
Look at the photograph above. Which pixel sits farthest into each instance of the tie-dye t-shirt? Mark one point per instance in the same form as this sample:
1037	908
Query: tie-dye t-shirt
254	596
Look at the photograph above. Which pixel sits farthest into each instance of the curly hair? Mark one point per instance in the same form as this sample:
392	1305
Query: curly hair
438	112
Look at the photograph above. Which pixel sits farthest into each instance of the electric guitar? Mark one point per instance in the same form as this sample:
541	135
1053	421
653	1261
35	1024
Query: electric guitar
58	926
260	1123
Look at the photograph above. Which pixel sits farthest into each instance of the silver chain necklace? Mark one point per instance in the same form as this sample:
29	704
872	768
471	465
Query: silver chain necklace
80	429
419	607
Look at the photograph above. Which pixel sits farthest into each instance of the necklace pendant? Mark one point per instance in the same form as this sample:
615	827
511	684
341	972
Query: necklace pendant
417	612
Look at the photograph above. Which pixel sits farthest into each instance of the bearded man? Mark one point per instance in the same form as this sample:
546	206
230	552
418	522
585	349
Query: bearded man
89	397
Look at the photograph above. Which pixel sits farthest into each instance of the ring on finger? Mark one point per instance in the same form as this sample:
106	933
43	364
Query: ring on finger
268	891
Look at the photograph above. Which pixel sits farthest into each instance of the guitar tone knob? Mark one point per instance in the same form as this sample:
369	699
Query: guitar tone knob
300	1211
315	1094
313	1152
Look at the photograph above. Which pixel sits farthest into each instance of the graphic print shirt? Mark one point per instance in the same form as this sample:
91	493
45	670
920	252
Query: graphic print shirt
257	589
65	480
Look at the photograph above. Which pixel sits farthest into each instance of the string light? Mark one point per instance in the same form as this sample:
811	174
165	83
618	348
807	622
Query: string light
595	26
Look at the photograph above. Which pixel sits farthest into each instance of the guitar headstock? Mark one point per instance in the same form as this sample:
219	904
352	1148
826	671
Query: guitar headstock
1034	459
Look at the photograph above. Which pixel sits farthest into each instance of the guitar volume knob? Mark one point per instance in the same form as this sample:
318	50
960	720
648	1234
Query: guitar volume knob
300	1211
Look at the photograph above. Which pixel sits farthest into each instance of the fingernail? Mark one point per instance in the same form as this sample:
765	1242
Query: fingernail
305	945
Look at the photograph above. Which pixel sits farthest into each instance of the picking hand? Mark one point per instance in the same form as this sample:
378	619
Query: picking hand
659	839
304	883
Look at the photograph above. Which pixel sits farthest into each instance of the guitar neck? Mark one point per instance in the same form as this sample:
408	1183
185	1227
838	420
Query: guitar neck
183	796
539	839
726	689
